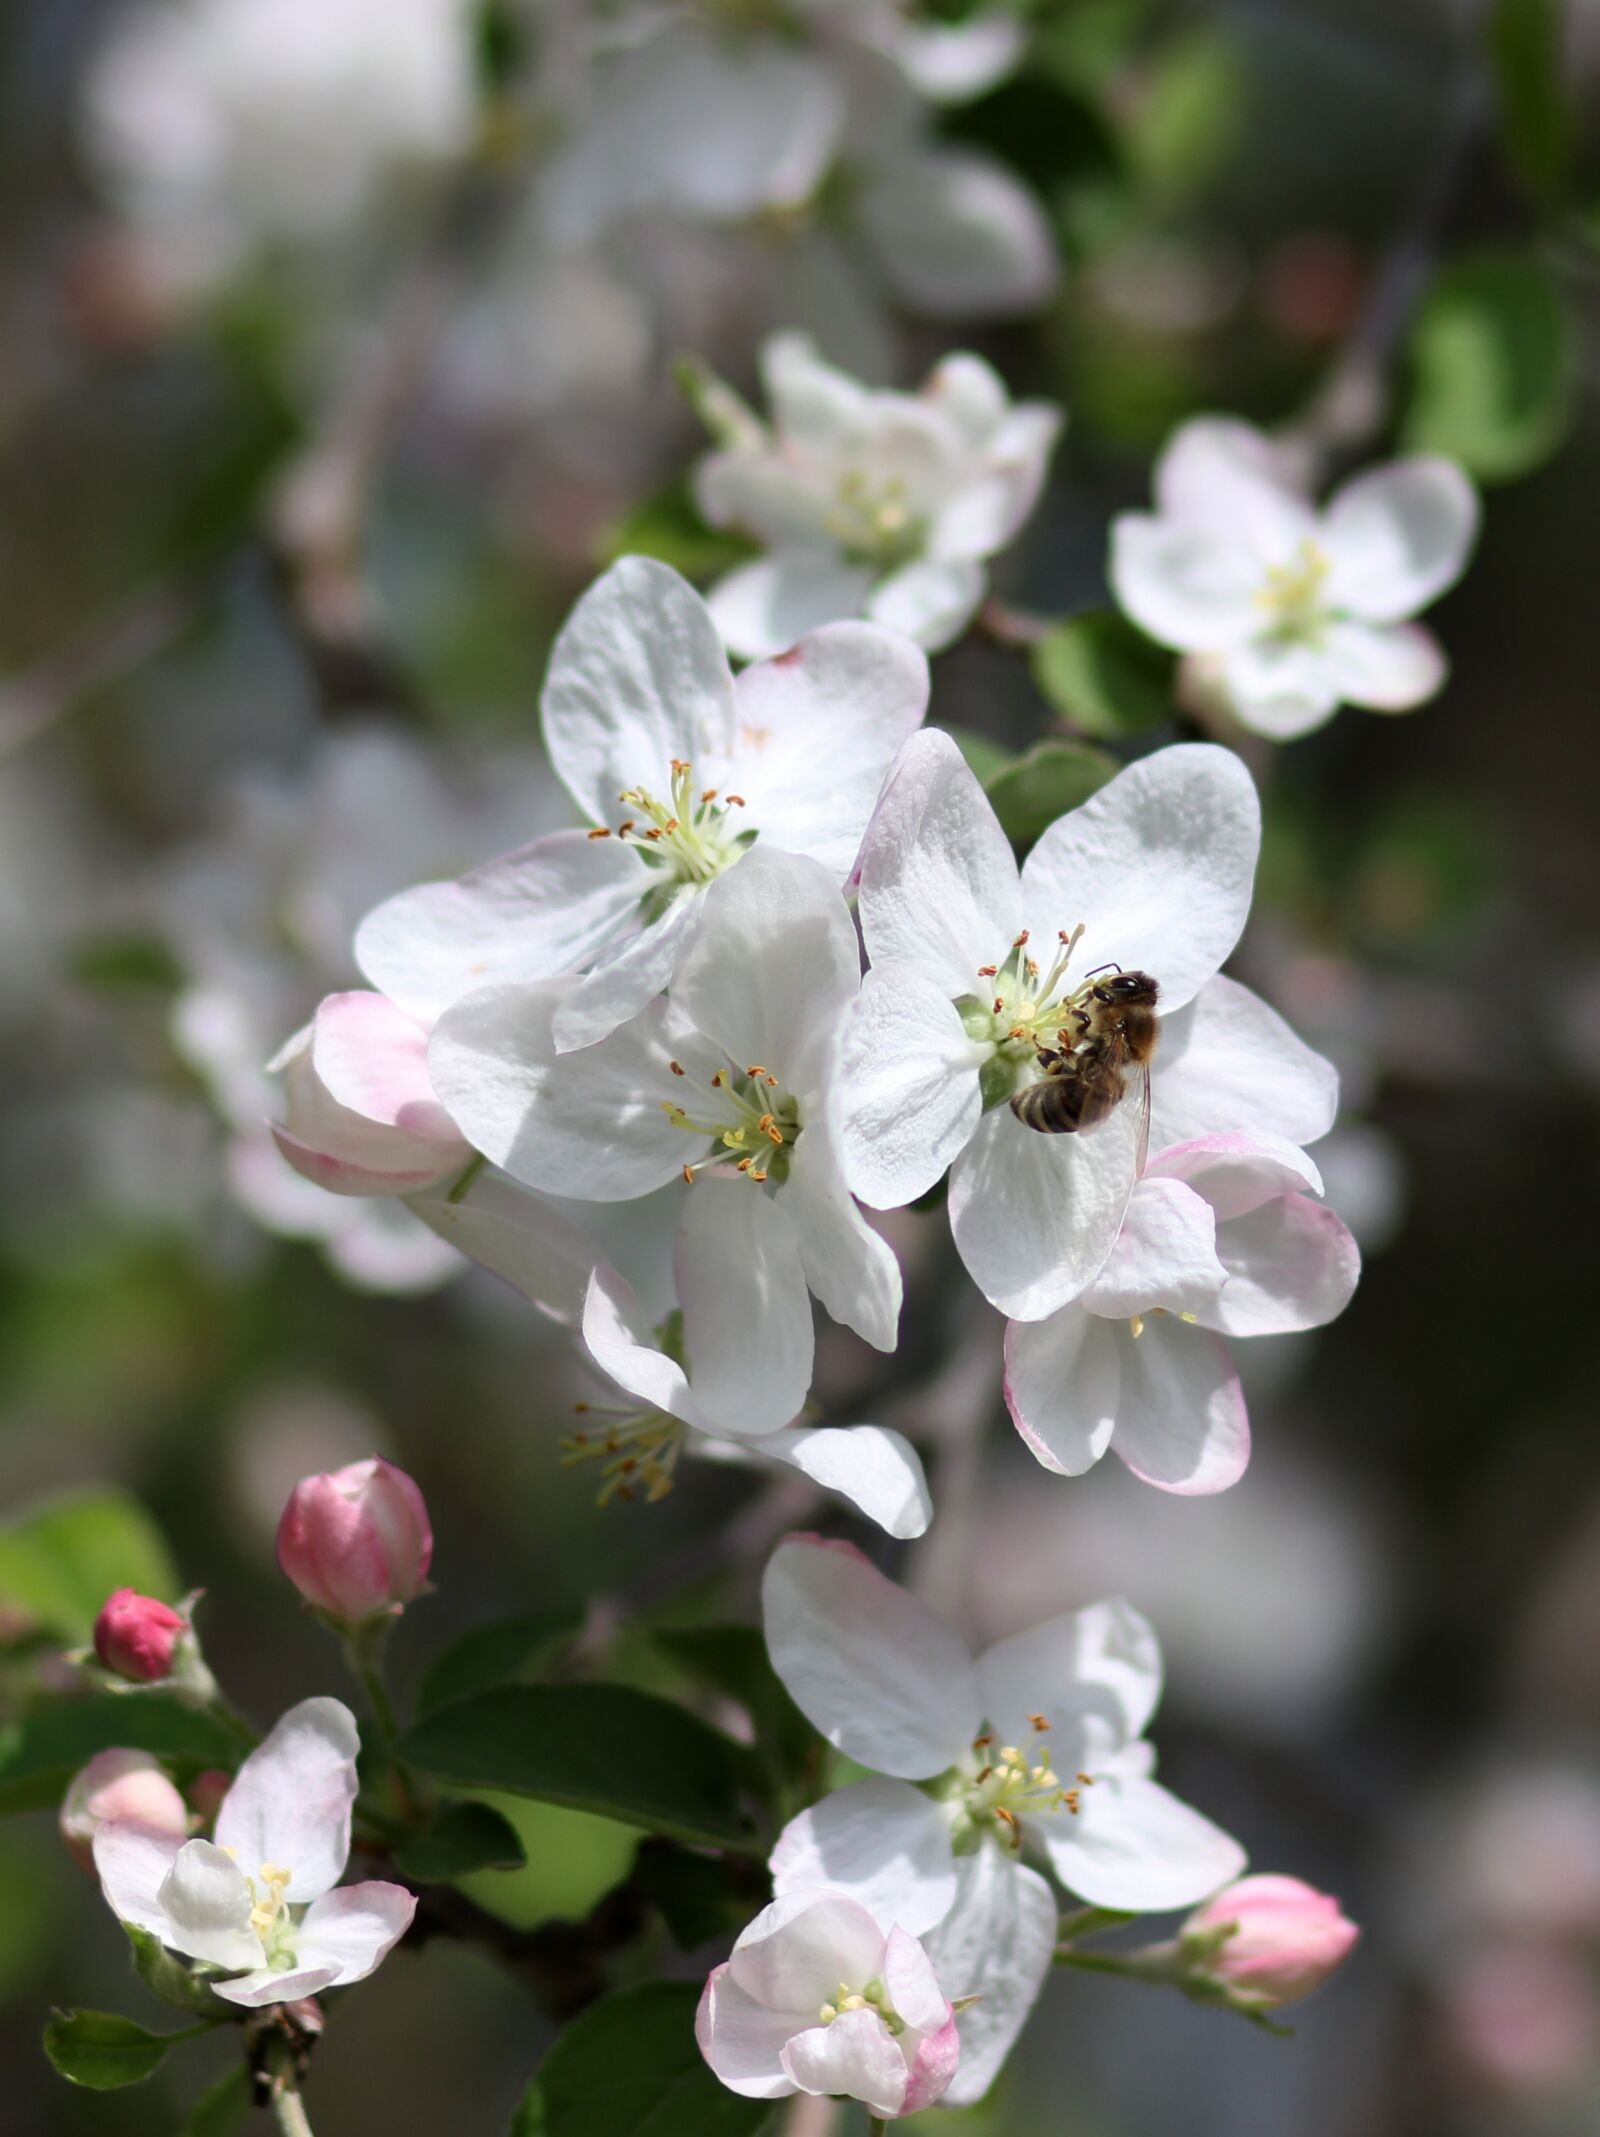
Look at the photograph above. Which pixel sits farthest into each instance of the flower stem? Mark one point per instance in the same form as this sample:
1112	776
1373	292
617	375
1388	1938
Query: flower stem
289	2109
876	2126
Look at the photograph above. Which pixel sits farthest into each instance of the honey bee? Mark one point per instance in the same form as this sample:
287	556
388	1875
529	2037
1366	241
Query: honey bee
1105	1040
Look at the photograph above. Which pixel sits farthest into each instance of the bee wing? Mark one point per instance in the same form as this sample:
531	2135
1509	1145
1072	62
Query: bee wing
1142	1101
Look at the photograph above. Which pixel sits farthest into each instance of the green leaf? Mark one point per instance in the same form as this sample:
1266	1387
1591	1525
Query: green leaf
40	1754
166	1975
60	1562
1105	676
222	2107
699	1896
102	2049
733	1659
502	1653
1493	361
629	2067
985	757
594	1747
1537	121
463	1837
1052	778
669	526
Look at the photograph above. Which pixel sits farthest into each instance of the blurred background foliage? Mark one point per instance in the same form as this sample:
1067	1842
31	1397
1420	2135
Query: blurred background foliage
220	742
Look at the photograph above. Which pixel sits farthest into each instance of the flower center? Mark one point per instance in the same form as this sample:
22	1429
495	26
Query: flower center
269	1916
638	1451
689	838
746	1113
1002	1787
873	523
874	1997
1292	595
1024	1010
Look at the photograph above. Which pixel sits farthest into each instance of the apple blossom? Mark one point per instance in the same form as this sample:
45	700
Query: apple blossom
119	1784
1040	1739
817	1998
1152	873
139	1637
1273	1938
680	769
1291	611
1221	1238
703	1379
283	1829
736	1068
357	1541
871	503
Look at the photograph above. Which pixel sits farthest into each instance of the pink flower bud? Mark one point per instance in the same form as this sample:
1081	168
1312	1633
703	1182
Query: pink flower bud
136	1637
119	1784
1289	1937
206	1792
356	1541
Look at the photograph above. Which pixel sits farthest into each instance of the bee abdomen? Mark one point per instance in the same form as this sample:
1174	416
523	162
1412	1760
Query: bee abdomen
1053	1105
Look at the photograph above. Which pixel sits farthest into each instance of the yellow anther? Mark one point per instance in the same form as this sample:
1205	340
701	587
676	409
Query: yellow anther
1136	1325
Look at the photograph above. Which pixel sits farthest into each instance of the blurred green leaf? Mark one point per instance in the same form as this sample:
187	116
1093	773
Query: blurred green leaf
630	2067
699	1896
103	2050
1105	676
1537	120
165	1975
733	1659
1493	361
40	1753
505	1652
115	962
669	526
463	1837
596	1747
573	1860
985	757
1052	778
221	2108
1190	115
60	1562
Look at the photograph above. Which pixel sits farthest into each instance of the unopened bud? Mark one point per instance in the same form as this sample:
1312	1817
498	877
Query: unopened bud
1272	1938
119	1784
137	1637
356	1541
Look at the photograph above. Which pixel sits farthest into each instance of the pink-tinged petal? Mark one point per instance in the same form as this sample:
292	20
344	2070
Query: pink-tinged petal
133	1861
1189	588
1165	1255
1227	1059
1291	1264
856	2055
291	1800
1095	1676
996	1943
746	1313
353	1929
1158	865
268	1985
1219	473
1135	1847
517	1237
638	677
1062	1387
1236	1173
529	915
615	1337
796	1952
932	600
851	1268
909	1093
939	890
1181	1420
934	2064
1035	1216
957	236
877	1470
882	1842
742	2040
817	729
207	1904
761	608
1396	537
343	1176
882	1676
373	1060
626	976
914	1991
1388	667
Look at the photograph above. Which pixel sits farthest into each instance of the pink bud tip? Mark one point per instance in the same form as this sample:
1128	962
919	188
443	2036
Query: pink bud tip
1288	1937
119	1784
136	1637
356	1541
206	1792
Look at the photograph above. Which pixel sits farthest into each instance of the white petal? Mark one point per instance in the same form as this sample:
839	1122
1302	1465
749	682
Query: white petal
391	1169
1236	1173
1181	1421
133	1861
354	1929
985	515
951	62
1165	1255
765	496
763	607
932	600
1034	1216
290	1800
519	1238
1219	473
742	2040
529	915
815	405
1158	865
616	1340
1227	1061
883	1842
1291	1264
1135	1847
1095	1676
908	1091
626	976
1397	536
1188	587
856	2056
957	236
882	1676
1384	667
877	1470
817	730
1278	688
848	1265
939	889
797	1951
746	1312
274	1985
638	677
207	1904
1062	1386
996	1943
